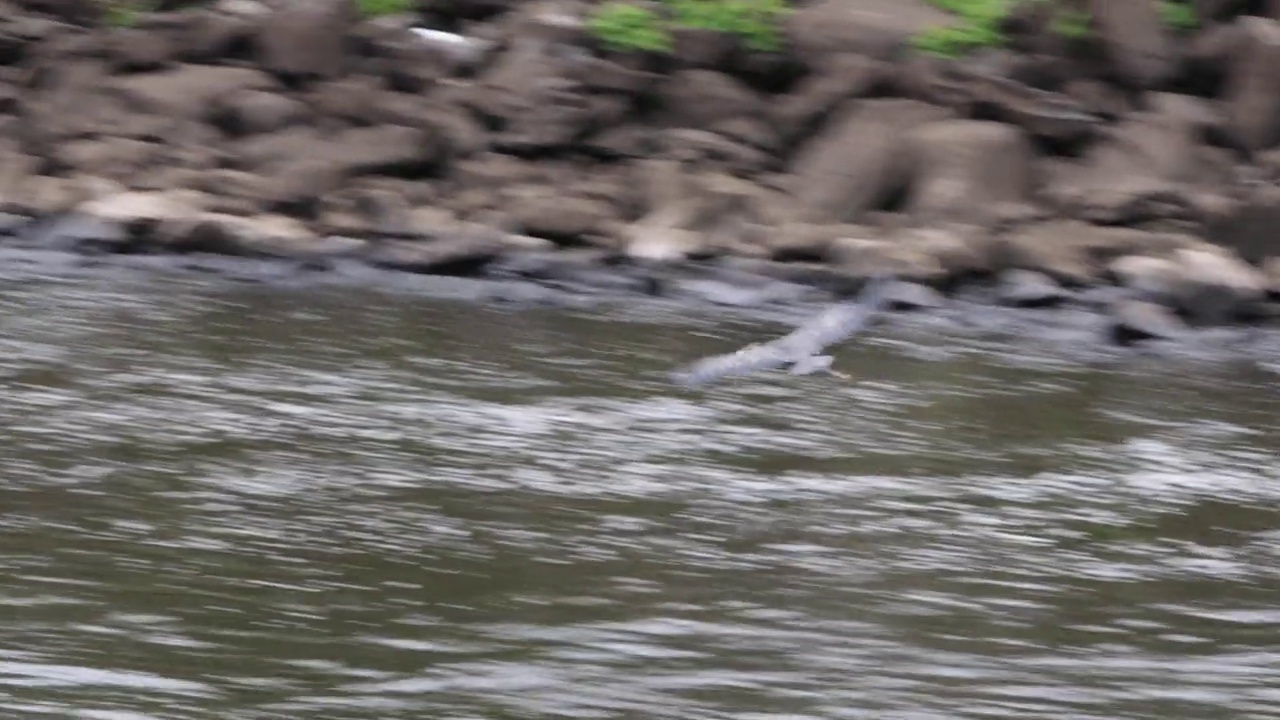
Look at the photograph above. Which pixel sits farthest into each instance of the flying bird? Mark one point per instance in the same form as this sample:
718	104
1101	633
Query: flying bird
800	350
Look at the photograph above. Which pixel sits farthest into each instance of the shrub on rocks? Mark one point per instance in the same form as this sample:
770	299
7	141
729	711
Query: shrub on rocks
626	25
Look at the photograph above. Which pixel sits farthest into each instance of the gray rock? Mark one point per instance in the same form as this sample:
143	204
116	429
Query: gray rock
1135	320
76	232
1027	288
913	296
465	255
1216	287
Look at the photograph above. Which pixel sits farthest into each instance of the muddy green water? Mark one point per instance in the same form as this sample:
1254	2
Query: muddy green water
227	500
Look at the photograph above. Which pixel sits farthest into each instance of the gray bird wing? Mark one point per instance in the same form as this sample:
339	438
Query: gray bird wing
838	322
830	326
749	359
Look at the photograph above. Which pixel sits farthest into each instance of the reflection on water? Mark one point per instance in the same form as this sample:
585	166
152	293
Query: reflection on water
222	500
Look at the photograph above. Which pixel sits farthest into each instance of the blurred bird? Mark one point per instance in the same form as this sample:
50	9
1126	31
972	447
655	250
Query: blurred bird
801	349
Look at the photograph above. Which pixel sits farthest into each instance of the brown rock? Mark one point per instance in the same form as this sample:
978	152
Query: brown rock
701	98
1134	320
204	35
1271	268
605	75
76	11
390	149
113	157
307	39
1250	228
703	47
1135	39
711	151
1078	253
1252	95
139	50
1215	287
252	112
1151	278
1142	169
186	91
859	161
877	28
462	255
567	220
846	77
966	169
661	237
259	152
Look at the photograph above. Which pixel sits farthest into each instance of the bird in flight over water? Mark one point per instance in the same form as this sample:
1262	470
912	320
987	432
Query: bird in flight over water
801	350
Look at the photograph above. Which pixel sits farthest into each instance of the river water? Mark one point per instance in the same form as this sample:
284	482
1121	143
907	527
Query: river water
224	499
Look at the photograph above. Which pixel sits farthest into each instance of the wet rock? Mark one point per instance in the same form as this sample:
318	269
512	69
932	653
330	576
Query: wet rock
1214	287
77	232
11	223
1149	278
1135	320
463	255
914	296
1077	253
1030	289
1272	270
140	211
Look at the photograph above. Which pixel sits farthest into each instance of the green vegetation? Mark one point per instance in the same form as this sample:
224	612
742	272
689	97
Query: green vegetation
978	26
979	23
622	25
1179	14
124	13
755	21
378	8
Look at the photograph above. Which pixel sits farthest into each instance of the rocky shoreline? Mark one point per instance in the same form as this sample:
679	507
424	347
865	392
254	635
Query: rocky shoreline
1134	164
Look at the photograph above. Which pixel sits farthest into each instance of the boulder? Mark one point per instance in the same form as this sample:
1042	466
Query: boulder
1135	320
1078	253
1154	279
1030	289
254	112
797	113
1252	95
859	161
701	98
307	40
1249	228
821	30
965	169
461	255
187	91
1214	287
1135	39
566	220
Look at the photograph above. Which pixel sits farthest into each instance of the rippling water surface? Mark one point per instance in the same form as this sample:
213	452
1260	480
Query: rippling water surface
224	500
